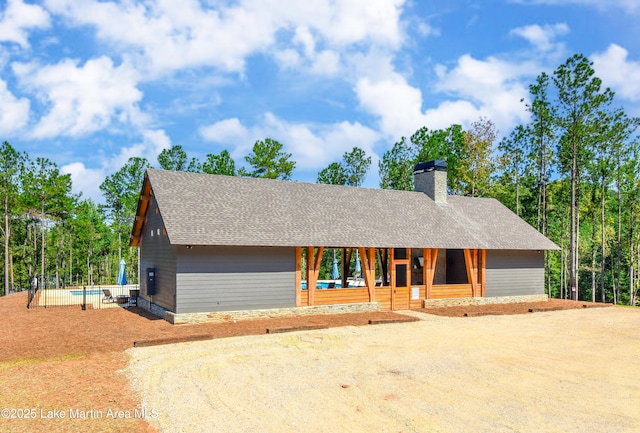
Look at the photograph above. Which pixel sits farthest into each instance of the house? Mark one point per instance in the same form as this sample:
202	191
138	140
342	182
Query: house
213	244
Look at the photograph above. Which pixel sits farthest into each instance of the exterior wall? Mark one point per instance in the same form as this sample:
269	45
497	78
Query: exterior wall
514	273
156	252
234	278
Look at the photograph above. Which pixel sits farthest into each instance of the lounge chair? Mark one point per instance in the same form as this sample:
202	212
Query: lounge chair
108	297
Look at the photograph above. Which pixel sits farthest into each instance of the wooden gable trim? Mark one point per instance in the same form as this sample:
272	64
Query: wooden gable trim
143	206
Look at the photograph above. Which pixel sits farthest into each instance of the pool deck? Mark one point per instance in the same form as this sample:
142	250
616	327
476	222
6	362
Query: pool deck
65	297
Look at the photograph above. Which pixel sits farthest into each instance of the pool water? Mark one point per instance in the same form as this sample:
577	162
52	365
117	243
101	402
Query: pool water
321	285
89	292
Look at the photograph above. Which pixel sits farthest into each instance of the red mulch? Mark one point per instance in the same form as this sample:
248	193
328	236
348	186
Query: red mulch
58	331
61	331
63	358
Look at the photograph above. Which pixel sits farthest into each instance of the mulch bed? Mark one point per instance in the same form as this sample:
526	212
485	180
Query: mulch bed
515	308
62	331
65	358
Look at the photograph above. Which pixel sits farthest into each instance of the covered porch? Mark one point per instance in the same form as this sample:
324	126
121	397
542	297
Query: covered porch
397	278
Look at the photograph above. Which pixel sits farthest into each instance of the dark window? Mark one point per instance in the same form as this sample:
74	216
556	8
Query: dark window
401	275
400	253
456	267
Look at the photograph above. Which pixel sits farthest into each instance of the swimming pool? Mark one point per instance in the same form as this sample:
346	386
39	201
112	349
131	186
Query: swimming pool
89	292
321	285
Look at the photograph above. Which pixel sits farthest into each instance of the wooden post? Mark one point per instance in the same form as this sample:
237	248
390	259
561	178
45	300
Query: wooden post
482	269
426	272
368	263
311	281
392	277
372	270
298	275
347	253
383	259
432	269
343	266
471	276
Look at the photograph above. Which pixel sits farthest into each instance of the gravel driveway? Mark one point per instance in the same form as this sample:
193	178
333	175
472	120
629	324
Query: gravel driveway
563	371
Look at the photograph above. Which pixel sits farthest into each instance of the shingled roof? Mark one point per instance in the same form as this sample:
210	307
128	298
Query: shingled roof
204	209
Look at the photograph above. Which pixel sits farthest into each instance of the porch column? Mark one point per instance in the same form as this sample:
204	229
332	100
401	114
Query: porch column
430	258
369	270
482	270
313	269
298	275
471	262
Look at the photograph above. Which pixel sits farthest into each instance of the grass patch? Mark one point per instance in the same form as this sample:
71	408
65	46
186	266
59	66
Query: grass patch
22	362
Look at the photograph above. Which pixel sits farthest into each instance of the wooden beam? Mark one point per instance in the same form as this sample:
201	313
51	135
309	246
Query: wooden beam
311	282
427	272
392	277
432	264
372	271
346	263
313	269
298	275
383	259
364	264
316	266
368	262
471	276
482	269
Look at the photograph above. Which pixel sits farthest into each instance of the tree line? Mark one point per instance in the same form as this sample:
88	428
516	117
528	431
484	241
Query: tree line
572	172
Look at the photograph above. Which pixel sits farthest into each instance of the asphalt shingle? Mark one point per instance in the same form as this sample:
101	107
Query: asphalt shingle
204	209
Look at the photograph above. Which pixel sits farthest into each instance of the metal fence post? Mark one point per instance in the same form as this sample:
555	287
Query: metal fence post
84	298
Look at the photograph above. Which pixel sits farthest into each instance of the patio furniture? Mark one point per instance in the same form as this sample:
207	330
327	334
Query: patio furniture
133	296
108	297
122	299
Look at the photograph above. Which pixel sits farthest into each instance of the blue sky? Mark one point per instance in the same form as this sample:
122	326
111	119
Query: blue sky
89	83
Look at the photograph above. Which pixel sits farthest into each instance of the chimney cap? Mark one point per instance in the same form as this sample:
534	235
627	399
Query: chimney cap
435	165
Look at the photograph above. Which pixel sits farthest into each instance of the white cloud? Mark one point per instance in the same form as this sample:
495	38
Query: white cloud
312	146
85	180
628	5
81	99
19	17
618	72
494	86
397	104
14	112
225	131
166	36
426	29
542	37
475	88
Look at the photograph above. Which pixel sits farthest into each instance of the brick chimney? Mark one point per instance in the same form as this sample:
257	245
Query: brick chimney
431	179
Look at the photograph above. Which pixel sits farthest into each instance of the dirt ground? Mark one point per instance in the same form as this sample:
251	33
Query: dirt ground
560	371
67	359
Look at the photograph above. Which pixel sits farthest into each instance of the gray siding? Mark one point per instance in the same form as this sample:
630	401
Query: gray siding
156	252
514	273
234	278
